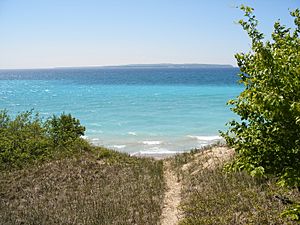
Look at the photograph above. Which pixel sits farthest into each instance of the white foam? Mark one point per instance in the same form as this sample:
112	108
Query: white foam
117	146
95	131
151	142
132	133
155	151
95	124
95	139
205	138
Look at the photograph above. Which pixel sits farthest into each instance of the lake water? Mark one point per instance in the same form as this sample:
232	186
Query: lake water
135	110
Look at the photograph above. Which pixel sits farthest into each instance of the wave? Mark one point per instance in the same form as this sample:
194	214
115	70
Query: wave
95	139
205	138
155	151
151	142
117	146
94	131
132	133
95	124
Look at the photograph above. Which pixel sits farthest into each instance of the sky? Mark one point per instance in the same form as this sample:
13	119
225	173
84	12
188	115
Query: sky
75	33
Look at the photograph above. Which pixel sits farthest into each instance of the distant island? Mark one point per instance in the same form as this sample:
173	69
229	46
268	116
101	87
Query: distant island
153	66
170	65
135	66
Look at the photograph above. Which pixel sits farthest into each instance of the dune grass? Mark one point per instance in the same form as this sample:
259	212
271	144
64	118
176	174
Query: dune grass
96	187
211	196
101	186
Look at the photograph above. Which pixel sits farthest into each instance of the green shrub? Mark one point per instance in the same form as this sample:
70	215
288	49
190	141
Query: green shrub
64	129
27	138
293	212
21	139
267	139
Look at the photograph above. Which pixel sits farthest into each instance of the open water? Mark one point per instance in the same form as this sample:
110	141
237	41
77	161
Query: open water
135	110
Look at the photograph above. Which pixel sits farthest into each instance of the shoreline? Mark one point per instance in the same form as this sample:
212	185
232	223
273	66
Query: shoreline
167	153
158	148
157	156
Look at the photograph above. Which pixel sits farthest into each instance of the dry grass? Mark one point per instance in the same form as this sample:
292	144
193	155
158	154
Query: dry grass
211	196
104	187
101	186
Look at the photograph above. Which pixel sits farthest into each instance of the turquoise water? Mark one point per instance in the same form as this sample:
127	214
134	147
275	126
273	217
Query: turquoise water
145	111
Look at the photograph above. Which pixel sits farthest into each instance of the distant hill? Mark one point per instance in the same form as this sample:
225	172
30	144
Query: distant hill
170	65
133	66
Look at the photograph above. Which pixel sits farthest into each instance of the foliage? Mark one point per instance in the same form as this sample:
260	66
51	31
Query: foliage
267	139
28	138
64	129
293	212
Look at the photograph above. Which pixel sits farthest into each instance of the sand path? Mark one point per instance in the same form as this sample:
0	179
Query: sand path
170	212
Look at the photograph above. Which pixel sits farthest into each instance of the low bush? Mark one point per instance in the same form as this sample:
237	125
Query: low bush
27	138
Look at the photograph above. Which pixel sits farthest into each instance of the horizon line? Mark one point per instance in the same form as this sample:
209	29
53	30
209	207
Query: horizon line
122	65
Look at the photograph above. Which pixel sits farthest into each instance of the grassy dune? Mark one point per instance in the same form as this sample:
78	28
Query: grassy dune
211	196
100	187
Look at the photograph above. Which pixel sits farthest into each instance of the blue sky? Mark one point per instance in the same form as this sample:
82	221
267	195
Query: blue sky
54	33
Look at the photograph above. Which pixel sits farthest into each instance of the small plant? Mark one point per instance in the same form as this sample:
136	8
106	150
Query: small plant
292	213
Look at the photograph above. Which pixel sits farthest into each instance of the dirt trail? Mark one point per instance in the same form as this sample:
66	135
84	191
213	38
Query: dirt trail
170	212
204	159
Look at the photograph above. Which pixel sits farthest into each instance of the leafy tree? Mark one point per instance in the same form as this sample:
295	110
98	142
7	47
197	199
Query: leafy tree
267	136
64	129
